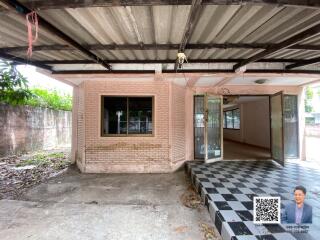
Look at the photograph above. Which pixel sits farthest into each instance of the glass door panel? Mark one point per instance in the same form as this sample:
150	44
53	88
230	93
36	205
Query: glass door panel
277	141
291	126
198	123
213	133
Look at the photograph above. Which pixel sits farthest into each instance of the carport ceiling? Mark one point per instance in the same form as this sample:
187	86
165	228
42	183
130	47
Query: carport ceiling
100	36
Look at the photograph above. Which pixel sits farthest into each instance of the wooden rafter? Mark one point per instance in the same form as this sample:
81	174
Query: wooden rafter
61	4
269	71
191	22
303	63
59	47
283	45
23	10
18	60
66	62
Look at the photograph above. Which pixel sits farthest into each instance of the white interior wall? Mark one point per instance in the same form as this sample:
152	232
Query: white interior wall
254	124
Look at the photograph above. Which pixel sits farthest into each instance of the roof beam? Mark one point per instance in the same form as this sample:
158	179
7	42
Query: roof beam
67	62
283	45
269	71
191	22
58	47
18	60
60	4
21	9
303	63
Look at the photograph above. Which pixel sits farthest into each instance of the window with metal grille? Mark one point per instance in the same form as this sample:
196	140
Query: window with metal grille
126	116
231	119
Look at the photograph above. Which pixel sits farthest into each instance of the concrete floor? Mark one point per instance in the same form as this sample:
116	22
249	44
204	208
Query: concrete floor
103	206
238	151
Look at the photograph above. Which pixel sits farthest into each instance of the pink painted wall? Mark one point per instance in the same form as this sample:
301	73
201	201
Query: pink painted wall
162	152
172	143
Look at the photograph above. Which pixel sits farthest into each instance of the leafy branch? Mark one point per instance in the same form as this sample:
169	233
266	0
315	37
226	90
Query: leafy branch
14	91
13	85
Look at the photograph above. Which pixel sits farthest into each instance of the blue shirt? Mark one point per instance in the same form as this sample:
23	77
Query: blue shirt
299	214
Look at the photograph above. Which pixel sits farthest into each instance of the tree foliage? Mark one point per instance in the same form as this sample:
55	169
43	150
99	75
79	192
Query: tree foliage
13	86
14	91
50	99
308	100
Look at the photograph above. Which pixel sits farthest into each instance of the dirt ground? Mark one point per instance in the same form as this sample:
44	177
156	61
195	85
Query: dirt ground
20	172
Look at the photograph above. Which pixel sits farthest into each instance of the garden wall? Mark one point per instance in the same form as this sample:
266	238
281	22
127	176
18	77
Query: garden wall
24	129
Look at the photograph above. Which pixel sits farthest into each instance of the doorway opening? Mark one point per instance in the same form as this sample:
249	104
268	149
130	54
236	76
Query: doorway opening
245	127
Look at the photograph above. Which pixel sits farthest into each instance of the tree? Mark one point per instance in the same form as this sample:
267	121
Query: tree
13	85
308	100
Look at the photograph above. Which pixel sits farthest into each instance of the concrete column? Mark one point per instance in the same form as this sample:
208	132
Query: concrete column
74	140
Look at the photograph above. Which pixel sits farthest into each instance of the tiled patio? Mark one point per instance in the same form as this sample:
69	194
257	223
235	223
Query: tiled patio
228	188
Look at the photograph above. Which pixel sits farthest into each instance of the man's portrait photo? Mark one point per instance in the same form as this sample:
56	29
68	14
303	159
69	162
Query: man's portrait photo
298	212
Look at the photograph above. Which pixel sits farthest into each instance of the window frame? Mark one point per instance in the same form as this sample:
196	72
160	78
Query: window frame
102	134
225	125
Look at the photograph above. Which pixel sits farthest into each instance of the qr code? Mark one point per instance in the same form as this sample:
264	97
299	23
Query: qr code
266	210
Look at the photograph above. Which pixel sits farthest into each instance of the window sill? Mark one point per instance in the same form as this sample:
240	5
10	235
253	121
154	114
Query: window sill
127	135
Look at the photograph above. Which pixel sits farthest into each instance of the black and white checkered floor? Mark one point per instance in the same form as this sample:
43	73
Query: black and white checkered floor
228	188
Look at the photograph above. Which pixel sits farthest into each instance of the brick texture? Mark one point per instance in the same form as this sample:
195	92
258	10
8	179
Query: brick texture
177	128
80	153
159	153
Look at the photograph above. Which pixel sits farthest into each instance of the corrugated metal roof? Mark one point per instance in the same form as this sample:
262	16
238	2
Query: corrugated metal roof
165	25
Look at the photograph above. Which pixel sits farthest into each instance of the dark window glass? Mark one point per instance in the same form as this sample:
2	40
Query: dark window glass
140	115
127	115
115	115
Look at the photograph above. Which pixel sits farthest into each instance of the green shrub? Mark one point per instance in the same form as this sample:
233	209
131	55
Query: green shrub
49	99
14	91
13	86
39	159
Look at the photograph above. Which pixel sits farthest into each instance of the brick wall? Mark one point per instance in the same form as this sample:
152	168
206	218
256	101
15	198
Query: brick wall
178	125
80	153
159	153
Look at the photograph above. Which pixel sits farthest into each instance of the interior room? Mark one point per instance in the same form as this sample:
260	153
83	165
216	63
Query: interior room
246	127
